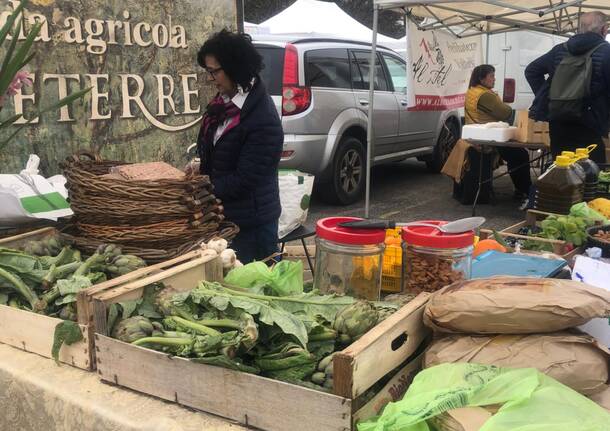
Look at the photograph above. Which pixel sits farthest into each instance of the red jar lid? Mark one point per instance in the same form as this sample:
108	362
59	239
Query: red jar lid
328	229
424	236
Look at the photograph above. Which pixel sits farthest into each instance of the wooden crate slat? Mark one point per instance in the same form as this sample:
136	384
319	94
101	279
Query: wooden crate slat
379	351
393	391
34	333
184	276
20	240
84	297
246	398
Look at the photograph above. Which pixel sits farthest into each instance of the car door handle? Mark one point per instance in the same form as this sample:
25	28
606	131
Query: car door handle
404	102
363	102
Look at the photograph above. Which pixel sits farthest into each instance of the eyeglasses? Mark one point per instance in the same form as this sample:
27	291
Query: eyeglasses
212	72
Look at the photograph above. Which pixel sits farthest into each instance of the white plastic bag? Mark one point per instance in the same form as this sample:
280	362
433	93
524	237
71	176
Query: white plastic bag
28	196
295	194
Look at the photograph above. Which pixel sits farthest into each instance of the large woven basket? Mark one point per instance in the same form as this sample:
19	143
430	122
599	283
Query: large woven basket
153	219
87	177
151	255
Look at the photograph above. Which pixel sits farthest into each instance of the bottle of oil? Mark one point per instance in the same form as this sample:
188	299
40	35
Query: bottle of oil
572	156
591	171
559	188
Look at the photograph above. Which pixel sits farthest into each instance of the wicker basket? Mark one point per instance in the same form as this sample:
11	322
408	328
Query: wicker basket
151	255
154	219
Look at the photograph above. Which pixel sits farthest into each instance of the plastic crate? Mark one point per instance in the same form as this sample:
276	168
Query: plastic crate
391	279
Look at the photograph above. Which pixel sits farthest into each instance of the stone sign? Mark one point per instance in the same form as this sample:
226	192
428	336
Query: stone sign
139	58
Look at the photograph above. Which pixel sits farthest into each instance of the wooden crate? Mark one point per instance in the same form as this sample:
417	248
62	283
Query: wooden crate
533	218
38	338
249	399
530	131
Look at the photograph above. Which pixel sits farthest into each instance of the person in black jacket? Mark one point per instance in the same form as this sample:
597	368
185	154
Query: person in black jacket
569	135
240	143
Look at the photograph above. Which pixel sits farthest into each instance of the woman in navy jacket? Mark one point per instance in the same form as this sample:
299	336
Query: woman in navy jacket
240	143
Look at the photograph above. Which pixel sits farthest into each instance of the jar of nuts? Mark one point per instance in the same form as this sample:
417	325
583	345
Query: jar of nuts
433	259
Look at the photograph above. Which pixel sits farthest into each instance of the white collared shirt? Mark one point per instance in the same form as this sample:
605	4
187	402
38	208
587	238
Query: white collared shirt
238	100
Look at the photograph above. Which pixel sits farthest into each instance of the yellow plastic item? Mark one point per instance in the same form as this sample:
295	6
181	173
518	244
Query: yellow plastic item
601	205
391	279
562	161
476	240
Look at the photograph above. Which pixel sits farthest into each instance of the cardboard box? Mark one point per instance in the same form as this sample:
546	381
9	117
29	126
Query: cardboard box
530	131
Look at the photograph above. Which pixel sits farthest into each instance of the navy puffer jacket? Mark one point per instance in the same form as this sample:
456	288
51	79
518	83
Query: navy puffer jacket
597	117
243	165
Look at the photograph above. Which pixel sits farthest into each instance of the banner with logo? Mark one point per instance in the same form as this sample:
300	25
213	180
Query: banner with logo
439	68
140	59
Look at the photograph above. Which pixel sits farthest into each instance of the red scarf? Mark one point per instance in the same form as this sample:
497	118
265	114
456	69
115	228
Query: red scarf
216	114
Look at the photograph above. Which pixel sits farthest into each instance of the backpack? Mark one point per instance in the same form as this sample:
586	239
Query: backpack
571	86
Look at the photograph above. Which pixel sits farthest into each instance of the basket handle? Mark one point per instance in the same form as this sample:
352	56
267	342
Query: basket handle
84	153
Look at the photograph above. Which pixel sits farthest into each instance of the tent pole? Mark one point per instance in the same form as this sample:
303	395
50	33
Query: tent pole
369	130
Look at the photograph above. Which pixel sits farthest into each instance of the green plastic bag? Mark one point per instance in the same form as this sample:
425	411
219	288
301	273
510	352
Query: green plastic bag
284	279
530	401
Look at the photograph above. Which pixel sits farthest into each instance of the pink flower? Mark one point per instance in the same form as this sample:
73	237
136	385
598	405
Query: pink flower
21	78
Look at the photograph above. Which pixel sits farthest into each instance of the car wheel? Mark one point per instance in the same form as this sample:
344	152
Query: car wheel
446	141
348	174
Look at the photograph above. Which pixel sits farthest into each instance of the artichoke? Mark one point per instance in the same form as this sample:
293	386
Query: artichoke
355	320
124	263
133	328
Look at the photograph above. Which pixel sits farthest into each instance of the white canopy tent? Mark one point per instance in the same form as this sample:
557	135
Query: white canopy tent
476	17
312	18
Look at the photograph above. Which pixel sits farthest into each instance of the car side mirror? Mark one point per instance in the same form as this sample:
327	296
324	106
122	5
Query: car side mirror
508	95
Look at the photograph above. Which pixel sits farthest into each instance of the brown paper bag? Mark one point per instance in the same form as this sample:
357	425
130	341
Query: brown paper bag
514	305
464	419
572	358
602	399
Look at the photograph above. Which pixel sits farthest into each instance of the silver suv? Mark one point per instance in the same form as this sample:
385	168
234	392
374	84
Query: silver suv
320	87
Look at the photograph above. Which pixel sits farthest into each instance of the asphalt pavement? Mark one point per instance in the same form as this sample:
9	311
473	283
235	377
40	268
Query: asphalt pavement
407	191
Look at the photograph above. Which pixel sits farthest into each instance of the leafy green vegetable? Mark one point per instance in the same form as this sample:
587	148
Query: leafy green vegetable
66	332
17	284
73	285
67	299
113	315
289	362
128	308
3	298
264	307
18	261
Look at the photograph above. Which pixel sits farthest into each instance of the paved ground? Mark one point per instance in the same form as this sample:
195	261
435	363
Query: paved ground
407	191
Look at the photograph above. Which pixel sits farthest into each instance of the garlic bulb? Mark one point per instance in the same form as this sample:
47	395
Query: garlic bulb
209	253
228	258
219	245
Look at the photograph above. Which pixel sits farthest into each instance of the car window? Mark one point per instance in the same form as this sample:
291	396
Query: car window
361	61
327	68
271	75
398	73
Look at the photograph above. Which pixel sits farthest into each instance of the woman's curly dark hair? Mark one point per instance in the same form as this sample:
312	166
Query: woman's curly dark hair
236	54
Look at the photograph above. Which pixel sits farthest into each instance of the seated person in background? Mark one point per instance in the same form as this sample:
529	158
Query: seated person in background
482	106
